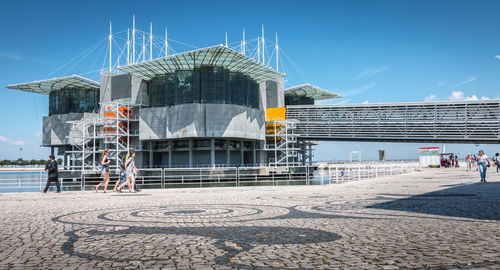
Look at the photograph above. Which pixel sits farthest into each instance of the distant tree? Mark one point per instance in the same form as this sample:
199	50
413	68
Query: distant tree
59	161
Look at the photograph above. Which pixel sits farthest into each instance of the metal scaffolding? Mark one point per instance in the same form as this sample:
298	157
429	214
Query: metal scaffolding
112	130
84	137
281	143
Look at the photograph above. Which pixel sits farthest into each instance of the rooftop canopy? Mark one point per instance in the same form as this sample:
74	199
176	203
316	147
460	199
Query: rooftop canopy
211	56
46	86
311	91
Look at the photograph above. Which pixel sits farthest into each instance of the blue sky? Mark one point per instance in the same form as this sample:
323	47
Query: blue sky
368	51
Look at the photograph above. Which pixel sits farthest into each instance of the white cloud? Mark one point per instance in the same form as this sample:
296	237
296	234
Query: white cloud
39	133
456	95
497	57
441	83
469	80
11	55
8	140
365	102
459	95
370	72
358	90
431	97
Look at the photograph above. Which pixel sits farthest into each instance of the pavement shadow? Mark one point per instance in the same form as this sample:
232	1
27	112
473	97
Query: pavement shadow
476	201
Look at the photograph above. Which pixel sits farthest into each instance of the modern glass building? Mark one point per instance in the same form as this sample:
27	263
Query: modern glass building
201	107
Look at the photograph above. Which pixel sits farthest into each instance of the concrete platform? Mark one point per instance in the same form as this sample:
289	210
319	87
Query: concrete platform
437	218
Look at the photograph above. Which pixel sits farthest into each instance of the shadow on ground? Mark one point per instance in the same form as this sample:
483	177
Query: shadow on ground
477	201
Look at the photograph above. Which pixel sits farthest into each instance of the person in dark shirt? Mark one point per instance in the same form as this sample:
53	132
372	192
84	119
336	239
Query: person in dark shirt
52	174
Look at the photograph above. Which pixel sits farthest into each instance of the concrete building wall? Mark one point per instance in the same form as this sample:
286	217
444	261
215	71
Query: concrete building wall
275	93
201	120
56	127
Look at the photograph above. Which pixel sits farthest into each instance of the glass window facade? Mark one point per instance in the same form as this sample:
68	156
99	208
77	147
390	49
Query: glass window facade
73	100
206	84
298	100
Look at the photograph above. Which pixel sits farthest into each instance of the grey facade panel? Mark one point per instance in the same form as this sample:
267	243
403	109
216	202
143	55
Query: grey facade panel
56	128
186	121
152	123
275	93
120	86
201	120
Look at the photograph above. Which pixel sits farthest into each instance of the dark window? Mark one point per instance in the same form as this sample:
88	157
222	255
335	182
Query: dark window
206	84
292	99
72	100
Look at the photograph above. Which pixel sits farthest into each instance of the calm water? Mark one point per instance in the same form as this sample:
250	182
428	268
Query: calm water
11	182
21	181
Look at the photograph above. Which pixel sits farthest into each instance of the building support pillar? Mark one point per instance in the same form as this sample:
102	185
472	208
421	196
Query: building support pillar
190	153
170	152
52	151
254	150
228	152
212	151
151	163
65	162
310	153
242	153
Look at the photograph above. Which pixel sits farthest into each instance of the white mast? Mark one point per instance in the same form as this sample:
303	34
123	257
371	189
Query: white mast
243	45
263	47
128	46
277	51
166	42
133	40
258	49
226	39
150	40
110	43
143	47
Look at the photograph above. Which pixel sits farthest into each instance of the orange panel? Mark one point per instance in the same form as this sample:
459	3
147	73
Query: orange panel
278	113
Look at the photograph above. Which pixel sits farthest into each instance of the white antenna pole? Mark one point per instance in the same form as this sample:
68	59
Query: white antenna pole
150	40
277	51
244	43
263	47
166	42
133	40
143	47
128	46
258	49
226	39
110	43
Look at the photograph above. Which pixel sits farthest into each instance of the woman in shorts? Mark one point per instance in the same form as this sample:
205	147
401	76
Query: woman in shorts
130	171
104	171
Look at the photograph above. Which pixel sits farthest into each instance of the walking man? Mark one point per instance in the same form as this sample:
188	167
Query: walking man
53	174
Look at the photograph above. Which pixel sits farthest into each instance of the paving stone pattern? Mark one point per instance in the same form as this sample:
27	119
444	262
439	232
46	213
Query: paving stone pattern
434	219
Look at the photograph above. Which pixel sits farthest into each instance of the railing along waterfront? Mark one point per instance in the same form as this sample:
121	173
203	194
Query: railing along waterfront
161	178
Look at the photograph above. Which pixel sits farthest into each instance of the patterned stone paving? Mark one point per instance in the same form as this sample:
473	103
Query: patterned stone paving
434	219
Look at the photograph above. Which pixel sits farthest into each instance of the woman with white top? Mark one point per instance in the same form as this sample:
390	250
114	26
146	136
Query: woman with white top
130	171
482	163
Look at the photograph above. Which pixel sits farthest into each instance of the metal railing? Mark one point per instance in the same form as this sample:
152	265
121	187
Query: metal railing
161	178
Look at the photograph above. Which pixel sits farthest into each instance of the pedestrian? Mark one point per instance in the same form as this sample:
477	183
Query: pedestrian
104	171
482	162
474	161
468	161
130	171
496	159
52	175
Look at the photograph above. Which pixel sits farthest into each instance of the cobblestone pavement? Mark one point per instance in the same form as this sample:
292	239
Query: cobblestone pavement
438	219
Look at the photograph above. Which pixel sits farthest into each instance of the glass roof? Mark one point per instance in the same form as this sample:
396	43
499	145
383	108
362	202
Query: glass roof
45	86
311	91
211	56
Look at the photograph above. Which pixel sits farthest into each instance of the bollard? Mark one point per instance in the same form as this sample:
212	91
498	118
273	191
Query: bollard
337	175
